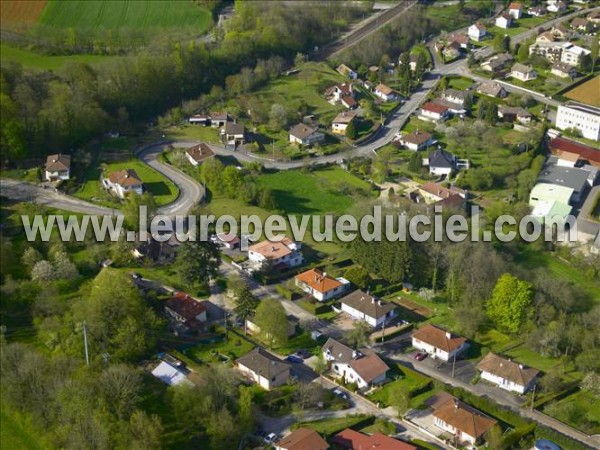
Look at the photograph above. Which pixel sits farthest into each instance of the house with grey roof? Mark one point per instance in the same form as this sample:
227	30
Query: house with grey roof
362	306
441	162
263	368
302	134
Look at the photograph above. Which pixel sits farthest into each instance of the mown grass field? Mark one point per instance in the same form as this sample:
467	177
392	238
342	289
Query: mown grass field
588	92
144	15
163	189
577	408
35	60
13	435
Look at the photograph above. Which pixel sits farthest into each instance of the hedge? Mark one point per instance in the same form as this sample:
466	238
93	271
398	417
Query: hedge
500	412
563	441
314	308
284	292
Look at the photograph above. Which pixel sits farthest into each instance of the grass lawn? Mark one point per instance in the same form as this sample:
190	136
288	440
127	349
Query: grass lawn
233	347
35	60
323	191
411	381
163	189
30	175
193	132
578	408
16	435
332	426
460	83
151	16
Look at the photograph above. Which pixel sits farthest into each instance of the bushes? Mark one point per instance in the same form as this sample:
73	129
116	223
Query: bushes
493	409
284	292
314	307
563	441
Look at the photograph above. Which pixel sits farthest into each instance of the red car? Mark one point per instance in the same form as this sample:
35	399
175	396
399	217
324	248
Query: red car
420	356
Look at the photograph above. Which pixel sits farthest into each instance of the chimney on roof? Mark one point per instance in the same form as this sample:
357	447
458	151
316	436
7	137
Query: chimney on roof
379	302
324	274
455	404
521	366
362	299
373	300
448	335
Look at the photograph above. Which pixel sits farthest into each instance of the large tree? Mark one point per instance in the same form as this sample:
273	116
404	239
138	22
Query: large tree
509	305
245	305
272	320
198	262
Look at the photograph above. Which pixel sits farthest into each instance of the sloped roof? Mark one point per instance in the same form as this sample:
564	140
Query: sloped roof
125	177
434	107
507	369
185	306
58	162
439	338
369	366
339	351
367	304
318	281
560	144
303	439
353	440
385	90
263	363
302	131
490	88
463	417
416	137
200	152
440	191
441	158
345	117
271	250
522	68
234	128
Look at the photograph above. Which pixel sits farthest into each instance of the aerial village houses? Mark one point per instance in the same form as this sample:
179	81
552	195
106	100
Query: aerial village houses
219	119
563	70
185	309
198	153
415	141
439	343
465	423
362	367
362	306
537	11
523	72
491	89
58	167
123	182
334	94
385	93
304	135
507	374
556	6
514	113
171	375
515	10
302	439
319	285
347	71
477	31
199	119
460	39
228	240
496	62
504	21
441	162
584	118
233	134
353	440
560	145
264	369
456	96
434	112
341	122
281	254
435	192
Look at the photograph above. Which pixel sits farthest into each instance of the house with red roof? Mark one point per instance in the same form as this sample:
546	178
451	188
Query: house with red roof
186	310
123	182
515	10
353	440
434	112
560	146
439	343
320	286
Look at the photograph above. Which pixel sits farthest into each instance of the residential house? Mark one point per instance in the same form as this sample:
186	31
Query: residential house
155	251
492	89
456	96
584	118
594	17
515	10
523	72
514	113
361	306
171	375
589	154
461	39
582	24
349	102
123	182
466	424
547	37
580	179
264	369
347	71
198	153
302	439
341	122
504	21
563	70
537	11
433	112
199	119
549	50
415	141
496	62
334	94
507	374
477	31
435	192
572	54
385	93
362	367
281	254
228	240
439	343
219	119
353	440
320	286
58	167
233	134
441	162
304	135
556	6
186	309
560	31
451	51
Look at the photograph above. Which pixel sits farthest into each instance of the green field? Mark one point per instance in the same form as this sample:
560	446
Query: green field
34	60
323	191
135	15
163	189
13	435
577	409
411	381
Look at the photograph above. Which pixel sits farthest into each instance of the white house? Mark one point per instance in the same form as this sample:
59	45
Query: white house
514	113
263	368
477	32
199	119
507	374
523	72
385	93
171	375
304	135
515	10
233	134
362	306
284	253
58	167
572	54
439	343
320	286
434	112
537	11
123	182
347	71
563	70
456	96
198	153
362	367
441	162
341	122
334	94
556	6
466	424
584	118
184	308
415	141
504	21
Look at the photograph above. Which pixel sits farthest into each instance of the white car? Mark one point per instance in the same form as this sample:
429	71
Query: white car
270	438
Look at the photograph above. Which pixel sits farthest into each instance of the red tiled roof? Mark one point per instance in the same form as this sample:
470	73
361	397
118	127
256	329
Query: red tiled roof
591	154
303	439
434	107
515	6
185	306
463	417
318	281
438	338
125	177
353	440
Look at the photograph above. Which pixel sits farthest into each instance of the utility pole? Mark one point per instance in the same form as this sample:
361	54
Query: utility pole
85	343
453	364
533	396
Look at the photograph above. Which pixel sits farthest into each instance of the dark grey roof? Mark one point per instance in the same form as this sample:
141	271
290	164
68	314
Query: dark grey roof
338	351
367	304
234	128
263	363
572	177
441	158
302	131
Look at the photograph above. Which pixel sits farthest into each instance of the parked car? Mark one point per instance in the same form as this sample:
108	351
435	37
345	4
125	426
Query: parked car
304	354
294	359
270	438
420	356
340	393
